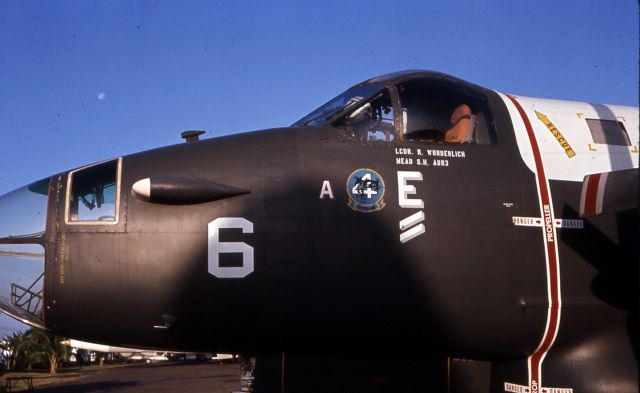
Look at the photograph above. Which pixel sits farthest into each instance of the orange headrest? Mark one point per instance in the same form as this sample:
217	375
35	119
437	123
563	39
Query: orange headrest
460	112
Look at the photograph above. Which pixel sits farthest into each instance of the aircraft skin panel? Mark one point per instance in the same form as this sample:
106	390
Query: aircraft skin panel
566	144
297	234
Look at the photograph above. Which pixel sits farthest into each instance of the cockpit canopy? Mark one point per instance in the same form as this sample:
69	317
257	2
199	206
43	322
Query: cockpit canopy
416	106
23	212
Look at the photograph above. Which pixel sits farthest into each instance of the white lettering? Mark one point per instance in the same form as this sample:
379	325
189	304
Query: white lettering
558	223
513	388
446	153
440	162
558	390
572	224
326	190
527	221
548	225
216	247
404	161
404	189
404	151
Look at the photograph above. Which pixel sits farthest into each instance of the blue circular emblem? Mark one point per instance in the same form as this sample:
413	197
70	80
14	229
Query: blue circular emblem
365	188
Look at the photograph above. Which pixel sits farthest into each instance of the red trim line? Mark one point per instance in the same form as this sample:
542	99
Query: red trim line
553	269
591	196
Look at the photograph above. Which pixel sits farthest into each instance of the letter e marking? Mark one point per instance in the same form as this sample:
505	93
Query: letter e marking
404	189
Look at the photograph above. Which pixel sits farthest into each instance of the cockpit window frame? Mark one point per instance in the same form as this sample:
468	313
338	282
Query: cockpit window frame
452	87
67	202
339	112
382	90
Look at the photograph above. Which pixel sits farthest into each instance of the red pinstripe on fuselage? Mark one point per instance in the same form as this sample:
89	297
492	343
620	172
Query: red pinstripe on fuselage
552	261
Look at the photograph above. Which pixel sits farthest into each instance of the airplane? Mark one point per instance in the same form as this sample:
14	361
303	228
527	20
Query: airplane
416	232
142	354
132	353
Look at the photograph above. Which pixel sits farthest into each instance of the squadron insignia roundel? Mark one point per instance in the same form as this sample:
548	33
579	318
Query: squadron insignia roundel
365	188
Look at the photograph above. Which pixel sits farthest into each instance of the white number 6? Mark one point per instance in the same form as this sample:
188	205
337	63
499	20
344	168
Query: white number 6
216	247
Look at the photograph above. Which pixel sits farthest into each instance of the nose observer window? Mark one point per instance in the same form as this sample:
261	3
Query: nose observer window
21	282
93	194
23	212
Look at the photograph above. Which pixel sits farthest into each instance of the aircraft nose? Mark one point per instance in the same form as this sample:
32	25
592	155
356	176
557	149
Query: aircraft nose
23	215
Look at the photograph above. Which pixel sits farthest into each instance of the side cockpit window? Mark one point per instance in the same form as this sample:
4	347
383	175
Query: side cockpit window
439	112
93	194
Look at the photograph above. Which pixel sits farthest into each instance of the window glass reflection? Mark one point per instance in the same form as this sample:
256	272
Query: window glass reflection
340	103
23	212
371	121
21	281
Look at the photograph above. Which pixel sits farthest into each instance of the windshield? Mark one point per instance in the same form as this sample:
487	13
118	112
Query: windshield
23	212
337	105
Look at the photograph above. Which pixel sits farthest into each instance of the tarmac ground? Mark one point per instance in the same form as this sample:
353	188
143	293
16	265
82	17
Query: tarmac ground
164	377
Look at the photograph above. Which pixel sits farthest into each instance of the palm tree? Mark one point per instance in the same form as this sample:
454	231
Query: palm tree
10	347
49	346
38	346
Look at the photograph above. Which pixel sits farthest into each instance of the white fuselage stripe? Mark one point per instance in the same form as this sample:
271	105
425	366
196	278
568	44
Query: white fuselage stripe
534	361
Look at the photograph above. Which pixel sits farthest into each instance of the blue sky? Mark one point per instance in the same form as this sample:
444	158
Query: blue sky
82	81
